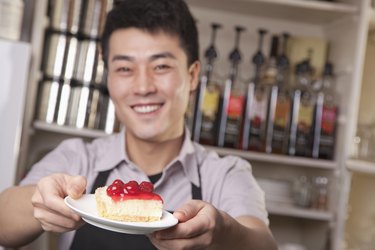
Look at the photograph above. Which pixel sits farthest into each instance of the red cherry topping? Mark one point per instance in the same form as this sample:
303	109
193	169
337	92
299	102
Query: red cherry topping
146	186
119	190
118	182
114	190
131	187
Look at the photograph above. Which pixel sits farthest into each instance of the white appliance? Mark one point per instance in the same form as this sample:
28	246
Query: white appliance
14	71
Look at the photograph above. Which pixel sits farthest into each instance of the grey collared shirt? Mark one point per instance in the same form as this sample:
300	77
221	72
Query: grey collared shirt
226	182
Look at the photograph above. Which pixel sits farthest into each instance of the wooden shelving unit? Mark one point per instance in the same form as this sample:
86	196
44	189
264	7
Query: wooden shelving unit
361	166
313	12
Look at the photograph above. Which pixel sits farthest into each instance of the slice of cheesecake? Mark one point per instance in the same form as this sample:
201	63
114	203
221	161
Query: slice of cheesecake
131	202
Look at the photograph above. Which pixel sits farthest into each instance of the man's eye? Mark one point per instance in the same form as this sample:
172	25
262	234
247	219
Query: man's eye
162	67
123	69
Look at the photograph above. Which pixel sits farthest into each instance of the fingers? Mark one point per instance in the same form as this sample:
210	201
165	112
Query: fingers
52	221
196	218
201	241
52	203
184	230
76	186
188	210
49	206
197	228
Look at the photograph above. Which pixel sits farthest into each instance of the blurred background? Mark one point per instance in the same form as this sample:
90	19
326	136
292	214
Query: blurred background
285	84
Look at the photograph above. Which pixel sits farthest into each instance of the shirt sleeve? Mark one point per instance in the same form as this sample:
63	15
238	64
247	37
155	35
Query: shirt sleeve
235	190
68	157
241	193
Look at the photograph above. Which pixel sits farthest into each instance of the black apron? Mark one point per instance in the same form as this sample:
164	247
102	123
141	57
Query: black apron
95	238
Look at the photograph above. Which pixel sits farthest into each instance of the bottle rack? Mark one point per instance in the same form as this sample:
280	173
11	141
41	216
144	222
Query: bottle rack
312	14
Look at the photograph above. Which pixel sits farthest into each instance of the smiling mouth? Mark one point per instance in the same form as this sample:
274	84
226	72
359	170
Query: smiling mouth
145	109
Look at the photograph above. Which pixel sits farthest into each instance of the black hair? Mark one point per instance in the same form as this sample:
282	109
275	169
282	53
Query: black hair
170	16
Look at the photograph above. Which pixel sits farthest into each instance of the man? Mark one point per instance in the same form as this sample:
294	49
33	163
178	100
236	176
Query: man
150	50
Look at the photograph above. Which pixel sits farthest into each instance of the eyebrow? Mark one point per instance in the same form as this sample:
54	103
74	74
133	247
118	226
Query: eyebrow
151	58
162	55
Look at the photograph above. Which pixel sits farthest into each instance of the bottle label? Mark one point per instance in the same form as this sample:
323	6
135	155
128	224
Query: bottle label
233	125
328	119
210	102
258	109
305	117
281	124
270	75
235	107
282	112
189	114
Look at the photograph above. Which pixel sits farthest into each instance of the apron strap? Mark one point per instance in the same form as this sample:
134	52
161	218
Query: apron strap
100	180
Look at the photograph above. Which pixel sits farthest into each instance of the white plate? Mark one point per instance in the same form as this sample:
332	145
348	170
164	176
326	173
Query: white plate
86	208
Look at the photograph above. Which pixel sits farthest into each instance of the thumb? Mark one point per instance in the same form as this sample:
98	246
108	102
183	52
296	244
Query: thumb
76	186
189	210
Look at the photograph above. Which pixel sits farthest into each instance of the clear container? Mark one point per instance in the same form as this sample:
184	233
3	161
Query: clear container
320	193
302	191
364	143
11	16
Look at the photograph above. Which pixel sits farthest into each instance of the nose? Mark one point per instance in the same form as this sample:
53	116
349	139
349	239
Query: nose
144	83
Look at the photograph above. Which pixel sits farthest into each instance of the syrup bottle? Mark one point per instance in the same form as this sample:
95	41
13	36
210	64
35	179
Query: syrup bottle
325	115
280	105
304	99
233	100
208	98
256	99
259	115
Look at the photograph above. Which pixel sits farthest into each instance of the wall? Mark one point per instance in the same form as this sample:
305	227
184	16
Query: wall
14	67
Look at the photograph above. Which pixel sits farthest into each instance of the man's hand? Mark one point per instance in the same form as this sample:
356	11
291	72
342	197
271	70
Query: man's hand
202	226
199	226
48	202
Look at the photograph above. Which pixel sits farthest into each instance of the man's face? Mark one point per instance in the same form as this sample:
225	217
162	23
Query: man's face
150	82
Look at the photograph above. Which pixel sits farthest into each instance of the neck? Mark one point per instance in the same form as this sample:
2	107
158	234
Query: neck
152	157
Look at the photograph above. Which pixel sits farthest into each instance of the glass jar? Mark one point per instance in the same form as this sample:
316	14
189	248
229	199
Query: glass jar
320	193
365	142
302	191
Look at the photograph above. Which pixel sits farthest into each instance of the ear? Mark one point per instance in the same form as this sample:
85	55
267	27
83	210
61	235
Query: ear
194	71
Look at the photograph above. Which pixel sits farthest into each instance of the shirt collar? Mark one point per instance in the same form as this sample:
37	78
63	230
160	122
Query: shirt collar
188	159
113	152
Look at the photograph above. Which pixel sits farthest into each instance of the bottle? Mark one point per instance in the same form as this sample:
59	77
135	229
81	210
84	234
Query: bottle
302	191
259	107
282	61
233	100
208	98
280	106
255	97
301	131
320	193
325	115
270	69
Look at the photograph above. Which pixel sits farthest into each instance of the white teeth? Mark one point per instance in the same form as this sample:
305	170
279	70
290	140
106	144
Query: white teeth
146	109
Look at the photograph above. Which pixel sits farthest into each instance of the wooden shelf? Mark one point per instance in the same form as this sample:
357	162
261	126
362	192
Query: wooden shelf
361	166
84	132
291	211
313	12
277	159
254	156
